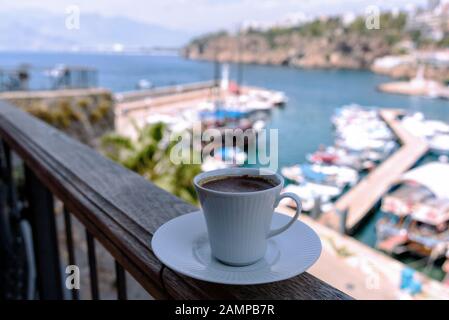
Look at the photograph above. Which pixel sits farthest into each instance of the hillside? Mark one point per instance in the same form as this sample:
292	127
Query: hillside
318	44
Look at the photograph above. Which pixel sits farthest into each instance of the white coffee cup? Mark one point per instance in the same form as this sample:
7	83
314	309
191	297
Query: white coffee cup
238	223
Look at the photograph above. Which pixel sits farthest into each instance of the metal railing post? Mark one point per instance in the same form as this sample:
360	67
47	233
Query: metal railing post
316	210
343	216
41	215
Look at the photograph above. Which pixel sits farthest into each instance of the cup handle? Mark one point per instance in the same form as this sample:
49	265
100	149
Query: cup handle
295	198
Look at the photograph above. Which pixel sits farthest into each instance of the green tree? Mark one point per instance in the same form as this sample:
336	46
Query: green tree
445	41
149	156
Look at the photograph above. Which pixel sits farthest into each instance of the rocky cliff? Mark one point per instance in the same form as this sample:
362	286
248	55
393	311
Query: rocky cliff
320	44
307	52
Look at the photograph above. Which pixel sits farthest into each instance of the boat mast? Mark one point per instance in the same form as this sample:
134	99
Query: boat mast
216	86
239	59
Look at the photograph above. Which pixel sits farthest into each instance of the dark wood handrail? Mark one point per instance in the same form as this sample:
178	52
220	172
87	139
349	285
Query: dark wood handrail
123	210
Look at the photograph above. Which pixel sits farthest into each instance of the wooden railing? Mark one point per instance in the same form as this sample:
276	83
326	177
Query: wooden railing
118	208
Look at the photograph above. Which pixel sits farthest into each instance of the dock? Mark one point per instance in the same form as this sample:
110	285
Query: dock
135	101
359	201
134	108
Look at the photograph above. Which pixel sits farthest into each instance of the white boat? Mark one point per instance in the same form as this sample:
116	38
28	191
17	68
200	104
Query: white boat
247	103
339	176
176	124
365	129
293	173
278	98
335	156
310	192
258	125
144	84
273	98
224	158
357	144
372	156
415	124
354	114
212	163
438	126
359	129
439	144
256	105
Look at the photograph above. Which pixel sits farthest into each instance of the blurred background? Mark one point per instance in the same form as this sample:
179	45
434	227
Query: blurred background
353	88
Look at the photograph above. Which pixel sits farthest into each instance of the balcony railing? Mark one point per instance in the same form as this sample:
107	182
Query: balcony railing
118	208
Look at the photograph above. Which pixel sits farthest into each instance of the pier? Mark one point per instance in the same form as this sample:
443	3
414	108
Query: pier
358	202
135	107
169	100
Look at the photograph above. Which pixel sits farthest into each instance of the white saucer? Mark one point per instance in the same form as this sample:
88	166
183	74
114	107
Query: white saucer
182	245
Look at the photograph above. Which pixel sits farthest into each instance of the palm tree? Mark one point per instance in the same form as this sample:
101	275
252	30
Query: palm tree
149	156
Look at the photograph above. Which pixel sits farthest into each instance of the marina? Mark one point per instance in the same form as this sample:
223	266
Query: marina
416	215
360	200
425	232
381	154
351	177
364	272
363	197
220	106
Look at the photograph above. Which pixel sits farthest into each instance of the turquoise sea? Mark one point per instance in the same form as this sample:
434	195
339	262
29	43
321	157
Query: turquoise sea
303	124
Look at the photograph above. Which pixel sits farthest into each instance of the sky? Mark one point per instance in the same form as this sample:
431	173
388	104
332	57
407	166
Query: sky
198	16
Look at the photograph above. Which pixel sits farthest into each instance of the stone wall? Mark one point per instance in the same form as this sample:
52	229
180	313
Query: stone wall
85	114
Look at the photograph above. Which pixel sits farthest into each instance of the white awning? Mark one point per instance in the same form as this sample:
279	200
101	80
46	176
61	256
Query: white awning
434	176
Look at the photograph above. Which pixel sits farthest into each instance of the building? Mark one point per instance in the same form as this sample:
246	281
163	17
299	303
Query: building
432	22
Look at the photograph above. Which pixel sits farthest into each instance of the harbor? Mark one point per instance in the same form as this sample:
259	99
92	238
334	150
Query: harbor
247	150
383	276
352	156
340	187
220	105
359	201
